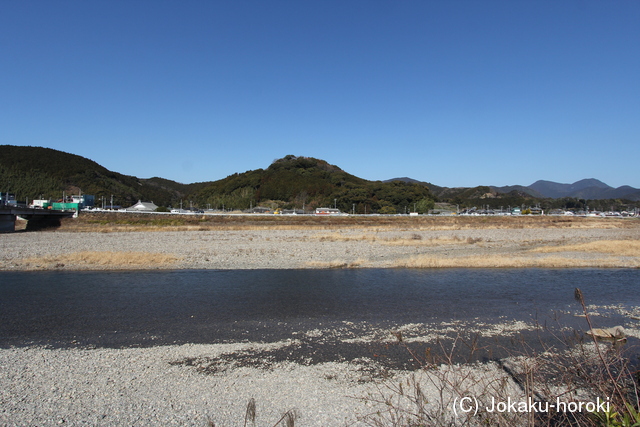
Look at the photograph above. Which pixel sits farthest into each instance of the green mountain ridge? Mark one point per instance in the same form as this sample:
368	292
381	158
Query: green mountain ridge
304	182
34	172
291	182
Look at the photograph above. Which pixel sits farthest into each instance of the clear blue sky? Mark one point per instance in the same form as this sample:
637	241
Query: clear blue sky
457	93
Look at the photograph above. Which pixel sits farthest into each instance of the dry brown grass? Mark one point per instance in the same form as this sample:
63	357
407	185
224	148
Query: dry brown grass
116	222
438	241
630	248
411	240
146	228
336	264
102	260
504	261
339	237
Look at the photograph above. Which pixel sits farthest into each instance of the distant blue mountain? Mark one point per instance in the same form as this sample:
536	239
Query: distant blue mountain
585	189
590	189
556	190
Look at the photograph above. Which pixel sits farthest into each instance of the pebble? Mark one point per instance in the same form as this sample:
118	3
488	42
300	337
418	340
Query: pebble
312	248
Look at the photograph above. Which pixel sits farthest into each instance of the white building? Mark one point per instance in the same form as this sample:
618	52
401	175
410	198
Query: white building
86	200
143	207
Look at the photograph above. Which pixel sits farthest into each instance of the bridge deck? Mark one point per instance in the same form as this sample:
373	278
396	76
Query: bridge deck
34	217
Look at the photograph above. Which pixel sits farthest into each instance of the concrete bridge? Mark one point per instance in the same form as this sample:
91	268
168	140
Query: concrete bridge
36	218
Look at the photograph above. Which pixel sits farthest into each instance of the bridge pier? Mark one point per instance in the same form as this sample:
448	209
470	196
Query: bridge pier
7	223
40	222
36	218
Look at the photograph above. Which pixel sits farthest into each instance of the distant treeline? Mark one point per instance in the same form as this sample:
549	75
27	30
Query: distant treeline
288	183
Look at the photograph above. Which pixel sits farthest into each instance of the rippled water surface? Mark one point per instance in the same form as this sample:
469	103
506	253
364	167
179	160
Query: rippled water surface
120	309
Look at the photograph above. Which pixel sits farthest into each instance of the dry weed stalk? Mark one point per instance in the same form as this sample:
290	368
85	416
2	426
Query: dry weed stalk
579	373
623	371
408	403
288	418
250	415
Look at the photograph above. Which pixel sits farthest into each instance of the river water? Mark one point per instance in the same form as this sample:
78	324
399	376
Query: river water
334	314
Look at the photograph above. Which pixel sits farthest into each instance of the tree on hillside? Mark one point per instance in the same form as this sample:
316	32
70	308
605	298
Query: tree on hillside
425	205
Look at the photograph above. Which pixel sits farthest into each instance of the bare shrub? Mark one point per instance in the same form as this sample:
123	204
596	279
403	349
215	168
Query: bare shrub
577	374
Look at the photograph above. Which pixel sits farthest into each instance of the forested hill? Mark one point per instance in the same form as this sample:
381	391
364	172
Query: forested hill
309	182
32	172
290	182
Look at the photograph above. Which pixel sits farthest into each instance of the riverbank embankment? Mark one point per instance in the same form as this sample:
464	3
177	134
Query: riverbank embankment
137	241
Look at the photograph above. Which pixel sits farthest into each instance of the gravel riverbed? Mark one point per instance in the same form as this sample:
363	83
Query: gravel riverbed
237	249
149	386
139	387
